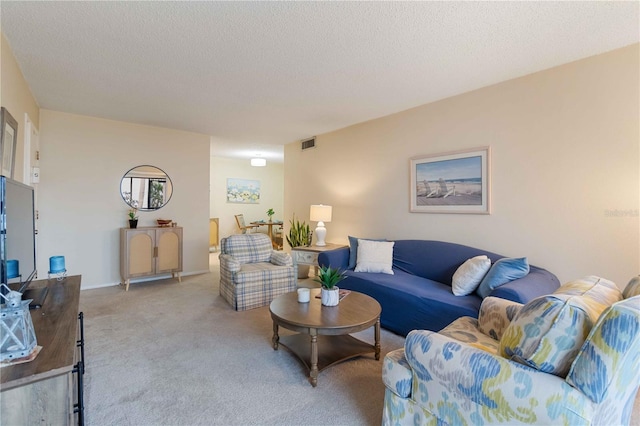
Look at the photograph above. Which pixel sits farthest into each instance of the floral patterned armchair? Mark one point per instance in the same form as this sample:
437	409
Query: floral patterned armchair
572	357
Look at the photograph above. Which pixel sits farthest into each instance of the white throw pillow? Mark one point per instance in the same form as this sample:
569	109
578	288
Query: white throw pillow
375	256
469	275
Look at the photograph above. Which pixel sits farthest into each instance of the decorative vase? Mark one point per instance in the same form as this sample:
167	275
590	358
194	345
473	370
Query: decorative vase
133	223
330	297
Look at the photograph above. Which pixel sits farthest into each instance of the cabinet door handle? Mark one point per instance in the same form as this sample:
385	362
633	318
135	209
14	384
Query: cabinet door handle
155	252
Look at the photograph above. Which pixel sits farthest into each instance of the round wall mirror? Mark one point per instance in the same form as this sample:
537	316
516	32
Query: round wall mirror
146	188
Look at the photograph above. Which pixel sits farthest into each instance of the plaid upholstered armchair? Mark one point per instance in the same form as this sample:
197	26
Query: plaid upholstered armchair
252	274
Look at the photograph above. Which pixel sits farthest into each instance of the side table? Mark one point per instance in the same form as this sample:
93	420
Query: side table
309	255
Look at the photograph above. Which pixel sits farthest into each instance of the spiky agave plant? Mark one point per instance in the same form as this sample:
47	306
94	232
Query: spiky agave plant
328	277
299	233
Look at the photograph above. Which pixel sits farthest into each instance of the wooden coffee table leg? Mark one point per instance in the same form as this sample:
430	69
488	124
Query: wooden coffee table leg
313	374
377	334
275	338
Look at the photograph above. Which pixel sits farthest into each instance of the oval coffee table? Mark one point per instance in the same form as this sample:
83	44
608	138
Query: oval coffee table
323	331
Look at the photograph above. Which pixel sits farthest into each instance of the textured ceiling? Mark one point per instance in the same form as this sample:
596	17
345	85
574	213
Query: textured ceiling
258	75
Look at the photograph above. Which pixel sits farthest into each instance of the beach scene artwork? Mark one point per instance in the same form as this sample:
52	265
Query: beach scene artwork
449	182
455	183
243	191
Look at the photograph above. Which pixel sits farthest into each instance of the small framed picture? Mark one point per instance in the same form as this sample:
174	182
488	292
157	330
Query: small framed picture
245	191
452	182
8	140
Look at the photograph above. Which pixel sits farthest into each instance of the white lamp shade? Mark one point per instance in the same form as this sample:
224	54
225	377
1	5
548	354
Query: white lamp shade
320	213
258	162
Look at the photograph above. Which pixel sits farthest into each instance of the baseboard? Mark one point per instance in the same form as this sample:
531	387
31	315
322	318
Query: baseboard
140	280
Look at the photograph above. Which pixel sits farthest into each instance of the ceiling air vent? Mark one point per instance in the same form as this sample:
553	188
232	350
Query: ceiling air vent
309	143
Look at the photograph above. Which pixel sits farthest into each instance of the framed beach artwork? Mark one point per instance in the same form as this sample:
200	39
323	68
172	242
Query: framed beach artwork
244	191
453	182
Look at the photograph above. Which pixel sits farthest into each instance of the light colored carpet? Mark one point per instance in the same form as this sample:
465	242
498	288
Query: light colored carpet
165	353
177	354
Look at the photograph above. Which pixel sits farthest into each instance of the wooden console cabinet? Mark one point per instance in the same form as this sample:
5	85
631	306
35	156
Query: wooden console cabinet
48	390
149	251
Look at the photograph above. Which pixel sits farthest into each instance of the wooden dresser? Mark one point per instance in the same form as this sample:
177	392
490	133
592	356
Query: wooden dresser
48	390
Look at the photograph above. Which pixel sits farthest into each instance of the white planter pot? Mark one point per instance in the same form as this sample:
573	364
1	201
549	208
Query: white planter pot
330	297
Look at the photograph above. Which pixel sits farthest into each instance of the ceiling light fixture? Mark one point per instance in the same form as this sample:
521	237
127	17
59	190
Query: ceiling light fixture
258	162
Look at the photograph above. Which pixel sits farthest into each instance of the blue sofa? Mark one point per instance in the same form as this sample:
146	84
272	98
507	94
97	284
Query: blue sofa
418	295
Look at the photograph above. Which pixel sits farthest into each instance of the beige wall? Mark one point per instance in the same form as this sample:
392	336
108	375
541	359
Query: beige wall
271	179
565	169
16	97
81	210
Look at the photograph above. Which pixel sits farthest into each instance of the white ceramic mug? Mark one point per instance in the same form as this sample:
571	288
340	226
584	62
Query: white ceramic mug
303	295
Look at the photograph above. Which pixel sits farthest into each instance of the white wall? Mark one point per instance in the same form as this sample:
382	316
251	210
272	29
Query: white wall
565	169
81	210
16	97
271	179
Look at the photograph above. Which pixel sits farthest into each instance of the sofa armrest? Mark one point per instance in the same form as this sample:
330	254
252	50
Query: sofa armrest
495	316
453	377
537	282
337	259
228	263
281	258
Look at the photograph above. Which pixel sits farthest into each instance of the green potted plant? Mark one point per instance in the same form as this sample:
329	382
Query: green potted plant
270	213
329	277
133	219
300	236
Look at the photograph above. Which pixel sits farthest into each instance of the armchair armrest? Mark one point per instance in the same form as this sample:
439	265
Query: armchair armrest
458	384
495	316
228	263
338	258
281	258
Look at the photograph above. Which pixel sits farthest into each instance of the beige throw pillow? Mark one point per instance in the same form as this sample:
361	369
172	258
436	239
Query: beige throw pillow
375	256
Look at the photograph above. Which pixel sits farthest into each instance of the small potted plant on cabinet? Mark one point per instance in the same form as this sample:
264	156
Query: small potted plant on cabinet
300	236
329	278
270	213
133	219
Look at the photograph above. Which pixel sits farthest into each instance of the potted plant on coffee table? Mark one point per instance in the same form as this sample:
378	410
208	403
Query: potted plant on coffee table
300	236
329	277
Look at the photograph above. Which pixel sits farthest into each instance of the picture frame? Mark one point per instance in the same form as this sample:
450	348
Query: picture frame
451	182
243	191
8	142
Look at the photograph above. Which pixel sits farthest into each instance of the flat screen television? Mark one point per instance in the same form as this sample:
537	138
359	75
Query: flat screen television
18	239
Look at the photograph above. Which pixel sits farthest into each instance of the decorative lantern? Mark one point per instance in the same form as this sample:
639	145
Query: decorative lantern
18	338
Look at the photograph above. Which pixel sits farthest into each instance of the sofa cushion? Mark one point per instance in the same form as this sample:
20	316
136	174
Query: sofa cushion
375	256
504	270
353	250
548	331
410	302
465	330
613	345
468	276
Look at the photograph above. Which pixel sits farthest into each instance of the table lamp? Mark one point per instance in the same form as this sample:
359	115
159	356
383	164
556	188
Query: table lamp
320	213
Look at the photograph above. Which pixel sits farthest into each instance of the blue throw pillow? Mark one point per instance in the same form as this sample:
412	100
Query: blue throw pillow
504	270
353	250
